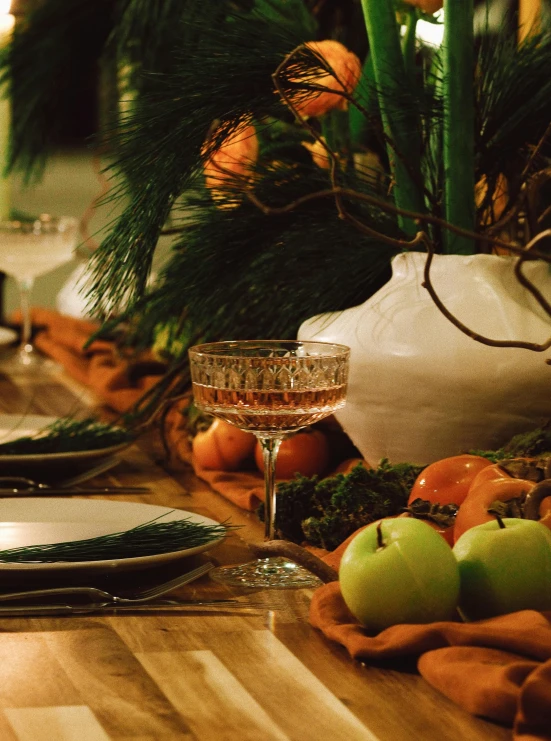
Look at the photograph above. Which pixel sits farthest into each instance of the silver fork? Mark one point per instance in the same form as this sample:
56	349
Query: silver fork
100	595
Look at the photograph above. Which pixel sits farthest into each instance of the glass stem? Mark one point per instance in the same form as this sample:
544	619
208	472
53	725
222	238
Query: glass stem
25	289
270	447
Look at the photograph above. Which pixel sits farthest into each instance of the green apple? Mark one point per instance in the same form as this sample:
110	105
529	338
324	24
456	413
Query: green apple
504	566
399	570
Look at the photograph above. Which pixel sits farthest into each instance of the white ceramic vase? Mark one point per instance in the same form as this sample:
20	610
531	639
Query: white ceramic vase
420	389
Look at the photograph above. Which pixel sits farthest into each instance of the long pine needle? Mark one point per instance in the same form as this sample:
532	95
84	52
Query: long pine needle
150	538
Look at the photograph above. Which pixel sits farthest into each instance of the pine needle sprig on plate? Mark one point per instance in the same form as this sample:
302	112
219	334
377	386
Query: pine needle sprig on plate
55	46
147	539
67	435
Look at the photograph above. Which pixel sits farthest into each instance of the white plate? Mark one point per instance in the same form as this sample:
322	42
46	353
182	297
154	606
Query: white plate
40	521
14	426
7	336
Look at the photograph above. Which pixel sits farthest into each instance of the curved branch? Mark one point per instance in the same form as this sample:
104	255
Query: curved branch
390	208
333	158
427	283
387	141
524	281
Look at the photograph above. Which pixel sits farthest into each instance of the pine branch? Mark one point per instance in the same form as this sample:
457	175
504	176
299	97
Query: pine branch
68	435
513	104
53	46
262	261
159	145
150	538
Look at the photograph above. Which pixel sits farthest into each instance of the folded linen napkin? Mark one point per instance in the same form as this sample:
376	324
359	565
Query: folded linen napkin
243	488
498	668
117	381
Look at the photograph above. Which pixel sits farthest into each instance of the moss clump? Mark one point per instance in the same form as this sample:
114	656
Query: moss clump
325	512
524	445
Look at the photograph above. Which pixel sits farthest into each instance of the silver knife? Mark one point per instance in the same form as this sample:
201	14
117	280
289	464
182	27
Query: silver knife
51	491
113	609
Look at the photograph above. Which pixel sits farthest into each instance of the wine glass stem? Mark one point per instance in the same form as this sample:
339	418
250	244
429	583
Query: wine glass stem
270	446
25	289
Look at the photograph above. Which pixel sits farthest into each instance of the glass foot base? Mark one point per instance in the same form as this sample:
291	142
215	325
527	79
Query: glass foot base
24	362
266	573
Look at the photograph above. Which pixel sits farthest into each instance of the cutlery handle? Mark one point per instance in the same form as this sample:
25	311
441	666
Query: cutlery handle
119	489
48	492
35	610
100	597
53	591
166	606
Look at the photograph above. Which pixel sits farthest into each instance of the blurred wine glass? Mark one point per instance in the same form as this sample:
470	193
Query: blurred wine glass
29	248
271	388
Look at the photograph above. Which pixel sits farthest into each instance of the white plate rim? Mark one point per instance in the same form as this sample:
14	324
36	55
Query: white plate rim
7	336
150	511
73	455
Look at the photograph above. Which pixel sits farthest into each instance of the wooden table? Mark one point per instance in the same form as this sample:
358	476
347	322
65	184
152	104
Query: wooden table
242	676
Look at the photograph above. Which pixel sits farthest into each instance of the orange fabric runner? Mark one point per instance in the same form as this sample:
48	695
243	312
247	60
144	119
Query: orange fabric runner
498	668
240	487
117	382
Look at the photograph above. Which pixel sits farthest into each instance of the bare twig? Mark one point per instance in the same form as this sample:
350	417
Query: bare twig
390	208
523	280
333	158
277	78
427	283
535	153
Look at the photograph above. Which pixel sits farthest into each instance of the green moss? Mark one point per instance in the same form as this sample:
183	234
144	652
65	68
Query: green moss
524	445
325	512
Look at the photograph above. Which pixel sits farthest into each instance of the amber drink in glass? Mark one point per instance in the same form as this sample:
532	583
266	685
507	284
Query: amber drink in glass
271	388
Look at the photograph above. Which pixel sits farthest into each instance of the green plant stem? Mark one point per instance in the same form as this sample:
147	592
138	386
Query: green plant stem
458	144
408	45
336	131
367	95
400	120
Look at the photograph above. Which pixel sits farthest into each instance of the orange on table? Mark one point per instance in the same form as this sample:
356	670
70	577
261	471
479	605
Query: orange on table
350	464
307	452
448	481
474	510
222	447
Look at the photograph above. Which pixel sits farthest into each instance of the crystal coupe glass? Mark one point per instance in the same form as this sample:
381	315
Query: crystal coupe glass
29	248
271	388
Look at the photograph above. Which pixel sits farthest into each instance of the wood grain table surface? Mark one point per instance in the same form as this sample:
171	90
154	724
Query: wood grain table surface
254	675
